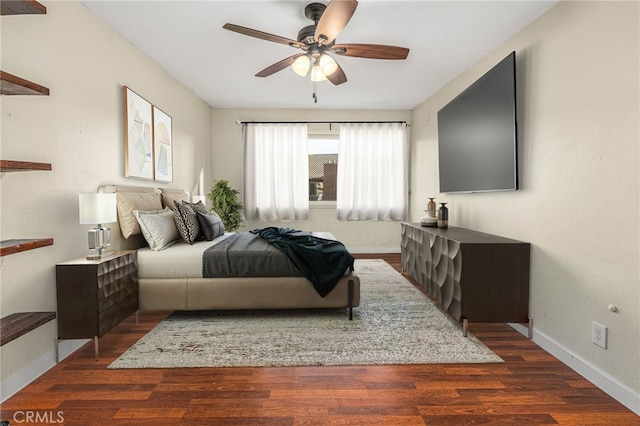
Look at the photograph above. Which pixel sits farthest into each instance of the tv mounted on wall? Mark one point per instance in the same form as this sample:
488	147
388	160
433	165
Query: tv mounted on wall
477	137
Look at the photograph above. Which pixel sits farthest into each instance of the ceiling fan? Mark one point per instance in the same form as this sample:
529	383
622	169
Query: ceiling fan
318	42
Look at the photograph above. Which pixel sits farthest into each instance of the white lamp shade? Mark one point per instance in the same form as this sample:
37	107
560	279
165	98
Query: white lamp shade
316	74
301	65
327	64
97	208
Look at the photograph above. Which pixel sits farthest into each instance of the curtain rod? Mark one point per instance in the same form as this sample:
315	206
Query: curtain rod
322	122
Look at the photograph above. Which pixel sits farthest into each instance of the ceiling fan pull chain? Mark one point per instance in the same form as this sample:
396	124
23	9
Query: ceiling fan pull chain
315	90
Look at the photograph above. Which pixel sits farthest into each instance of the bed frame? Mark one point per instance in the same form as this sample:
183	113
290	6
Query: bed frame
233	293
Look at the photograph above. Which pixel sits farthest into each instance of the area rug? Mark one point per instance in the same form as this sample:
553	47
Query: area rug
394	324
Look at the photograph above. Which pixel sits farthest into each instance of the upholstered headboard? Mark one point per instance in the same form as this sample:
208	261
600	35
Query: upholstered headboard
127	235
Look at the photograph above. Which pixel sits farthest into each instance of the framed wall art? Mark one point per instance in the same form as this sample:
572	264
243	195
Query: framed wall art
138	144
162	146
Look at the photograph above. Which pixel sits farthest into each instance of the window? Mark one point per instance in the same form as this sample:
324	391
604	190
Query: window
288	165
323	169
323	141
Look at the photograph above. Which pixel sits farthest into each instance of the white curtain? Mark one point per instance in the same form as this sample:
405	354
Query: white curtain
276	172
372	172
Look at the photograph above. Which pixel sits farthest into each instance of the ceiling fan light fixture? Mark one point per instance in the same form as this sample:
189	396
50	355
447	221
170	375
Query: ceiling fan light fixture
301	65
318	43
317	74
327	64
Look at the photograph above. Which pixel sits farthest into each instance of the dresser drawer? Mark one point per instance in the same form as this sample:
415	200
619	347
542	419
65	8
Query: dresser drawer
117	280
117	313
95	295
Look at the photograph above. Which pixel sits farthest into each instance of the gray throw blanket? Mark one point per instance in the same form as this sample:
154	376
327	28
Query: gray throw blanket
246	255
279	252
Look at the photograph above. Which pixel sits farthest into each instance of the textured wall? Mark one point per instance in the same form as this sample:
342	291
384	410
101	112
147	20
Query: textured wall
79	130
578	108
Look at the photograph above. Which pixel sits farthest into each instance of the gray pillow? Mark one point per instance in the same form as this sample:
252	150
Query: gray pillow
211	225
158	228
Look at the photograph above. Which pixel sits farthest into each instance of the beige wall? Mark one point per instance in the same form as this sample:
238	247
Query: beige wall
578	95
79	130
227	164
578	202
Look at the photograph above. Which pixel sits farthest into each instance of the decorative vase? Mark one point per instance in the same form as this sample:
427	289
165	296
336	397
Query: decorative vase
429	220
443	216
431	207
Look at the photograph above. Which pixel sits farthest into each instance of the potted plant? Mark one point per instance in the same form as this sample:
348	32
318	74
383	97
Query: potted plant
226	204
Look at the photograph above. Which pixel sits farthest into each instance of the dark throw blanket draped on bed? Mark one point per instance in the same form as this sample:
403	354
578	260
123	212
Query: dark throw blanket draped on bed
279	252
244	254
321	261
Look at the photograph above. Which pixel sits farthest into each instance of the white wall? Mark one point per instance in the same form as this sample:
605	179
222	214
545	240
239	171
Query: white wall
578	96
227	164
79	130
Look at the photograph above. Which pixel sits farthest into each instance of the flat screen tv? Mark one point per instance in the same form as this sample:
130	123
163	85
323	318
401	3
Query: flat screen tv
477	137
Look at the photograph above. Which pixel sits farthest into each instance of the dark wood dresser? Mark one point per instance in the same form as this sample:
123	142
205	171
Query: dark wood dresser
474	276
95	295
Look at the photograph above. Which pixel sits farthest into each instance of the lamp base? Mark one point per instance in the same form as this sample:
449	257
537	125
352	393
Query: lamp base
99	256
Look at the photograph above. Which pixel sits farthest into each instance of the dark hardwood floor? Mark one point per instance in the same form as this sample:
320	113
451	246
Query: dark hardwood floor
530	387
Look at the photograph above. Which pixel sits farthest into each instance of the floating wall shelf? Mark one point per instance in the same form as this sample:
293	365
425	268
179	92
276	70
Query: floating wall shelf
18	324
8	247
22	166
22	7
15	325
14	85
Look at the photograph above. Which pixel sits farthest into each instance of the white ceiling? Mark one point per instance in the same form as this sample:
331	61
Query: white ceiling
186	38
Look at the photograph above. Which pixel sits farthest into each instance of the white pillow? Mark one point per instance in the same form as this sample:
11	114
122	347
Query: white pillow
158	228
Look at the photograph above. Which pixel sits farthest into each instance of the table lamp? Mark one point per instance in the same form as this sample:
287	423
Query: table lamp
98	208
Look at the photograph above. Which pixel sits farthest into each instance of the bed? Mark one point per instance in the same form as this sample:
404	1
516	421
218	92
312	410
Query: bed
171	278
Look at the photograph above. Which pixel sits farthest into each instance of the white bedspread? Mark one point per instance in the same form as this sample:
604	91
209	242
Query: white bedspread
181	260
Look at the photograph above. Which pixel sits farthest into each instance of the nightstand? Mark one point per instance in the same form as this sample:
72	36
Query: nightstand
96	295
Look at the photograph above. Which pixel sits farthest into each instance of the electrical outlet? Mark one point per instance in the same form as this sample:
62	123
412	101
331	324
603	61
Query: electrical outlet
599	334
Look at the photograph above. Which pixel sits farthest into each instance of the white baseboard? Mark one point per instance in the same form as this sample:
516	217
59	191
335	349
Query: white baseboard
618	391
14	383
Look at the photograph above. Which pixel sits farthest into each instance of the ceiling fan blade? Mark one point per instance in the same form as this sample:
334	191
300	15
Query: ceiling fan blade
262	35
278	66
371	51
333	20
338	76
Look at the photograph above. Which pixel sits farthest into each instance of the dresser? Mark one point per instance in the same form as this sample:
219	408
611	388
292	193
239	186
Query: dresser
95	295
474	276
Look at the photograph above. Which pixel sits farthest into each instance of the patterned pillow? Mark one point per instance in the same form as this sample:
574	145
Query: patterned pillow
186	222
211	225
198	207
